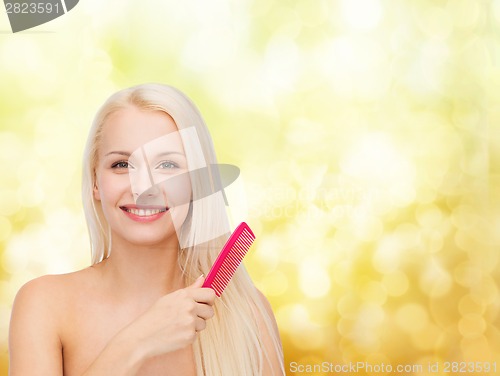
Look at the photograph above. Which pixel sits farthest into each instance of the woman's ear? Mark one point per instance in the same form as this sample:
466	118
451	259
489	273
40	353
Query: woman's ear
97	195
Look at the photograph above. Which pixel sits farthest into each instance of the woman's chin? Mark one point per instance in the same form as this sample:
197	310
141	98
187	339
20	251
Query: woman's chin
148	238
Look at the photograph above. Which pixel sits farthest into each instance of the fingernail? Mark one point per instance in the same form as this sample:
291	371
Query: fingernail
201	276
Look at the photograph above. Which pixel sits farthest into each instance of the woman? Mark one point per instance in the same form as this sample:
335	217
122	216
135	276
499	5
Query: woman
140	308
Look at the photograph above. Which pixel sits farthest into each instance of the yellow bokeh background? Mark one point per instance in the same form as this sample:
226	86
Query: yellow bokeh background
368	136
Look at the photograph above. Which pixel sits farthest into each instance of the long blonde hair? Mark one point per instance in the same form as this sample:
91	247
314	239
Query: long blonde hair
232	342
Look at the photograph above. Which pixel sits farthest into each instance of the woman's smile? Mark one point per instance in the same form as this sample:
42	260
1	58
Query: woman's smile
144	213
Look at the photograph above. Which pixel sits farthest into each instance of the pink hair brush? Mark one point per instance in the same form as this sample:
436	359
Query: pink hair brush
229	258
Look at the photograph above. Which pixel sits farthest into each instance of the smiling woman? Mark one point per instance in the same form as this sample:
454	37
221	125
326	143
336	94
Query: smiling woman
140	308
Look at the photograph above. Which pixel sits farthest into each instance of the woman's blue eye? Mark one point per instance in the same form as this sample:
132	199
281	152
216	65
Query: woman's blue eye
120	164
167	165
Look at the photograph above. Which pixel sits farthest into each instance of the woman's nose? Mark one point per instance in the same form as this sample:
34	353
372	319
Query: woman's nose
141	182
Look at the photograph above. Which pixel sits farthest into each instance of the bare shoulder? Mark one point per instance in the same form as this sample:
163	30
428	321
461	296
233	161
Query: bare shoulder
35	326
46	300
38	295
266	303
40	288
273	350
50	291
269	311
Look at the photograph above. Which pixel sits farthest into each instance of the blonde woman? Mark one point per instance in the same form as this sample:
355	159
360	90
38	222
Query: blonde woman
140	309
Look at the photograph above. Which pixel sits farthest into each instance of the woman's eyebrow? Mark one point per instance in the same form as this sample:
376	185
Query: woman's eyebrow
162	154
165	153
125	153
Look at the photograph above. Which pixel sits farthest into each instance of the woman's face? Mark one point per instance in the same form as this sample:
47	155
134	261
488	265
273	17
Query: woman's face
141	176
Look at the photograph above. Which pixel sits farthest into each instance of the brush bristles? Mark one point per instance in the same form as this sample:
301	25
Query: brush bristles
232	261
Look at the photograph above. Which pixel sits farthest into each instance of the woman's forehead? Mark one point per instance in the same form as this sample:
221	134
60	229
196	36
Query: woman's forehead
131	128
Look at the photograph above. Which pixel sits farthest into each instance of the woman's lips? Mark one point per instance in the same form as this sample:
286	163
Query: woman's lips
144	213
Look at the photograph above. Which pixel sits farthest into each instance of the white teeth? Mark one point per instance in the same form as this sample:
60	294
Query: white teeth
145	212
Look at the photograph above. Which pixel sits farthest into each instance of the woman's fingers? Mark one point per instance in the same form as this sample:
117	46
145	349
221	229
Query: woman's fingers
203	295
200	325
204	311
197	283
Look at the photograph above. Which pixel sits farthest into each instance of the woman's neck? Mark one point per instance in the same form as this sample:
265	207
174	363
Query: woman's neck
141	273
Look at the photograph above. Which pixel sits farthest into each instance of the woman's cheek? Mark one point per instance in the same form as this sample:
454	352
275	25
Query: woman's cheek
177	190
112	186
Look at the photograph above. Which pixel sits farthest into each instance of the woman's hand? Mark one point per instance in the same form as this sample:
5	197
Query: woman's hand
170	324
173	321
